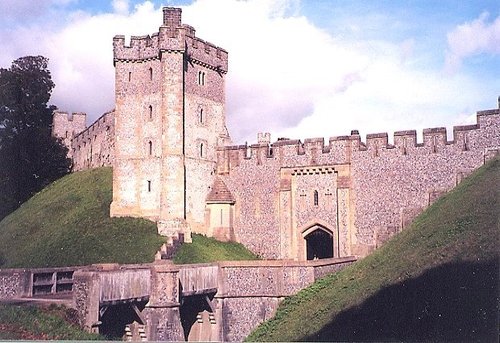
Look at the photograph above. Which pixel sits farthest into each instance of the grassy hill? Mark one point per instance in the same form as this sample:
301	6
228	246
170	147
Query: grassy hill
68	224
45	323
205	249
437	280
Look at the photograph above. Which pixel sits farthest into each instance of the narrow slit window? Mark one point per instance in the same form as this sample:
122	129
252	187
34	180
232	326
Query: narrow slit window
201	78
316	198
201	116
150	144
129	76
149	186
150	74
201	150
150	112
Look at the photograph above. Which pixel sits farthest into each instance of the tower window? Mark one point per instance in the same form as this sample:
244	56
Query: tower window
200	117
202	147
149	185
201	78
151	74
150	144
316	198
129	76
150	112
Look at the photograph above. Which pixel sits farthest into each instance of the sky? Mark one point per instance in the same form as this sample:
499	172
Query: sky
297	69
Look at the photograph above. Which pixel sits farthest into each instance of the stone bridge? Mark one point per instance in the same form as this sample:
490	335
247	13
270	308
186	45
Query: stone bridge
161	301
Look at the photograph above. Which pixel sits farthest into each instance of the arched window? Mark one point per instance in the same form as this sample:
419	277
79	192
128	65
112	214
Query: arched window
150	144
150	112
316	198
151	74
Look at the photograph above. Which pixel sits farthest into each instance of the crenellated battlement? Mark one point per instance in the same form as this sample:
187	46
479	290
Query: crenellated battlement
173	36
94	146
340	148
66	125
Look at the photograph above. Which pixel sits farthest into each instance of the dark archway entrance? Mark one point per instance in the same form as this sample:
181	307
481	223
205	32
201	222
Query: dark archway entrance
115	317
319	244
197	318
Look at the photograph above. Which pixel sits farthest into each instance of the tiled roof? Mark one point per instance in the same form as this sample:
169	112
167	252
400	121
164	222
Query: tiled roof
220	193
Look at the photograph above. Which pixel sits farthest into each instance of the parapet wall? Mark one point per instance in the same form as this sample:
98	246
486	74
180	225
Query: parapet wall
94	147
66	126
340	149
172	36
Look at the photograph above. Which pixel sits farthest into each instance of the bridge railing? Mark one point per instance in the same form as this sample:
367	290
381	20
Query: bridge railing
124	285
198	278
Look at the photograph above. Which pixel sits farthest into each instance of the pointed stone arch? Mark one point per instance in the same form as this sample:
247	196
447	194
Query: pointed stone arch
319	241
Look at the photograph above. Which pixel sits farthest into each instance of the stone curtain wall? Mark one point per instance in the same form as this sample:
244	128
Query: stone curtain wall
388	185
94	147
88	147
14	283
66	127
393	183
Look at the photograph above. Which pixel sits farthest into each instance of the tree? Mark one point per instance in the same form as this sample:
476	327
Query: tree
30	158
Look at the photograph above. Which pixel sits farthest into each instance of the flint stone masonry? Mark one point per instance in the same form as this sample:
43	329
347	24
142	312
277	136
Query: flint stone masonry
88	147
14	283
249	292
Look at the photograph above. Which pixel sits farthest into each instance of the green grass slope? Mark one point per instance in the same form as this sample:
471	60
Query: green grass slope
33	323
204	249
438	280
68	224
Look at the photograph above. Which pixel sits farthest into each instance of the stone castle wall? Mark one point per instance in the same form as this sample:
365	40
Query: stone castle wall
393	183
386	185
88	147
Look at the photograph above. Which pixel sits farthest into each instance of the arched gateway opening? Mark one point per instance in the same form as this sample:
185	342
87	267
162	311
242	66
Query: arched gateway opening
319	243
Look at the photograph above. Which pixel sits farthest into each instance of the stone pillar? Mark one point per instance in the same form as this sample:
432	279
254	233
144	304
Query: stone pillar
86	290
173	170
163	309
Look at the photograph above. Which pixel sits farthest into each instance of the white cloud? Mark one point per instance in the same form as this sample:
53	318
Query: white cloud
121	6
286	76
475	37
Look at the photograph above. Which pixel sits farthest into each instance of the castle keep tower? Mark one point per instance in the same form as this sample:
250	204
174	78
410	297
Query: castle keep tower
169	120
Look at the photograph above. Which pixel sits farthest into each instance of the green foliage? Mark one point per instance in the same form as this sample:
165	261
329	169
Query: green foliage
68	223
32	323
446	263
30	157
205	249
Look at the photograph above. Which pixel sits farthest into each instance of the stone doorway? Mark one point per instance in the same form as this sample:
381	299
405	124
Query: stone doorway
319	243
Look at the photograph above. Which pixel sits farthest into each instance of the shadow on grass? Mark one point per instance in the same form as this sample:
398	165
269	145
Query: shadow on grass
455	301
